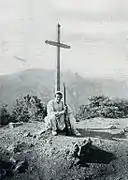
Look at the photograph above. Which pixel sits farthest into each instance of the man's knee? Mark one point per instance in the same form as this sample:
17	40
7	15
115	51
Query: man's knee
47	123
53	119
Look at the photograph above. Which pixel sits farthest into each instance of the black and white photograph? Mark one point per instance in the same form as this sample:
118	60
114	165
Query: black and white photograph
63	90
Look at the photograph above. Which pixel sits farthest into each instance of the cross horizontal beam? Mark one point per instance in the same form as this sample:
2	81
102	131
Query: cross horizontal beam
53	43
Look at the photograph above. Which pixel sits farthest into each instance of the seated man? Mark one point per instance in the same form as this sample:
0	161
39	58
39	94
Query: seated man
55	115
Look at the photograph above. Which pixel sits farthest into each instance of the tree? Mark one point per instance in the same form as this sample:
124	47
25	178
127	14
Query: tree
5	116
28	108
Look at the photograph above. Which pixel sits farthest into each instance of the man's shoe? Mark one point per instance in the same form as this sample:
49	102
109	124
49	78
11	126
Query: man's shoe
54	133
76	133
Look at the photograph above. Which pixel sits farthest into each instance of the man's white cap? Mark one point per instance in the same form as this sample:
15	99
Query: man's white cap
58	92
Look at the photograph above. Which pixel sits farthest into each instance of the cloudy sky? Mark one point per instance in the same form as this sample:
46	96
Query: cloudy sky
97	31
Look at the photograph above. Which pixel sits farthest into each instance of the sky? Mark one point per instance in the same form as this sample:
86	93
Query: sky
96	30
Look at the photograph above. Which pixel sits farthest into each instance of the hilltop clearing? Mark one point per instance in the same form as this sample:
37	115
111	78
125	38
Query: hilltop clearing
46	157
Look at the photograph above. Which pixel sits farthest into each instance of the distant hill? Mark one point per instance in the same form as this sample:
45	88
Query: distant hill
41	82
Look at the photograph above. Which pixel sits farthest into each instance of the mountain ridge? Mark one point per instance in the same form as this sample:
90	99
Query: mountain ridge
41	82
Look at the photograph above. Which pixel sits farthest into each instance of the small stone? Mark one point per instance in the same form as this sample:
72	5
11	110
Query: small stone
21	166
31	145
11	125
73	142
76	150
34	136
112	127
119	178
13	160
67	151
28	135
84	141
11	148
42	132
49	141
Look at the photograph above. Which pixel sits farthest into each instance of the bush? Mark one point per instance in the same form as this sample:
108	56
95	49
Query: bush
5	116
101	106
28	108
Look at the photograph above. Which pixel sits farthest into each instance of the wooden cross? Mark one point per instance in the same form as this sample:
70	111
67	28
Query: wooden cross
59	45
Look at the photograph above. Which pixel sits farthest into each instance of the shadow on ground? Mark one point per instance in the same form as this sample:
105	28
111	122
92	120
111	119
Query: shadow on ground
92	154
5	169
10	166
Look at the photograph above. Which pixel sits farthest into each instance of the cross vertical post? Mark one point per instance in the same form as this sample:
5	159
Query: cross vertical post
59	45
58	60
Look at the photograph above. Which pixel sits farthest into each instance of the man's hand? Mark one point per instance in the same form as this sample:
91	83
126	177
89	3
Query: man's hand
57	114
65	108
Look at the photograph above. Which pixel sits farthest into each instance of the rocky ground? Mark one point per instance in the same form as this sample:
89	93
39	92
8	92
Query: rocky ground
27	153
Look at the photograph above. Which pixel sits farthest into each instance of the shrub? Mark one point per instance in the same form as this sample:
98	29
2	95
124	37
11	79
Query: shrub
28	108
101	106
5	116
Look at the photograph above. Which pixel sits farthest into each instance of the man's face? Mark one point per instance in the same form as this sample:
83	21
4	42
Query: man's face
58	97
